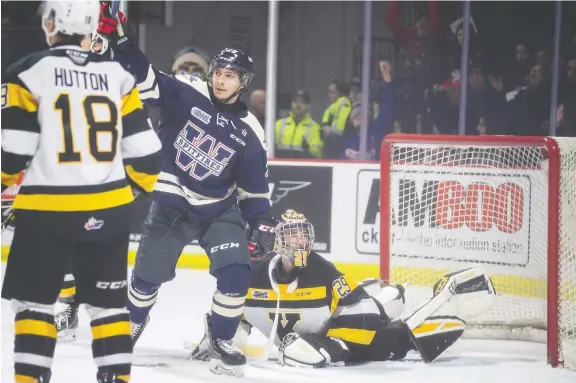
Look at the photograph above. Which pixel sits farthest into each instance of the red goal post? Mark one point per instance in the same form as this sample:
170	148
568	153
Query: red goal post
505	202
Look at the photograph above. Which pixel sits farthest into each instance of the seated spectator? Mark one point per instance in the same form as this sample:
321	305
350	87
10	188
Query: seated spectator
377	128
257	105
529	110
485	105
298	135
191	60
518	72
334	119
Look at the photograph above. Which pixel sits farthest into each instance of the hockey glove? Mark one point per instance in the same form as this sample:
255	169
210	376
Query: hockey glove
112	28
261	235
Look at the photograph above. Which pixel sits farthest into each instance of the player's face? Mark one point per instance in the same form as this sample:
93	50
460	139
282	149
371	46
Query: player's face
225	82
296	241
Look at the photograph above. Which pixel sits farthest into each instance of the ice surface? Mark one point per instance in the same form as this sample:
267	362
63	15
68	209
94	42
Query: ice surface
177	317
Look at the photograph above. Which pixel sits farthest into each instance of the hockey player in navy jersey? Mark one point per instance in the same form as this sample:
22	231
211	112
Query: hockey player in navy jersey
212	187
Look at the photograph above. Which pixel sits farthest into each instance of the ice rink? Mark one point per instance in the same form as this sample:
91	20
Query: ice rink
177	317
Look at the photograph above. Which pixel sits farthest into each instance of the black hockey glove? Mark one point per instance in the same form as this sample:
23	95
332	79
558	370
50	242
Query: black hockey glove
261	235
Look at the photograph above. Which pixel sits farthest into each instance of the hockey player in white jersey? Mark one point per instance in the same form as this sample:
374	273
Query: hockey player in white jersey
74	122
327	319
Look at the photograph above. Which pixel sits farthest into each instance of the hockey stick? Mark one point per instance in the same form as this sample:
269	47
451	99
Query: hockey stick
114	7
272	337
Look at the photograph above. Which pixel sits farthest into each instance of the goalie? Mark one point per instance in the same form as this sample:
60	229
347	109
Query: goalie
326	319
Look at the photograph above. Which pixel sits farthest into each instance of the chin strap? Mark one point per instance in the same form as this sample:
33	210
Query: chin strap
238	92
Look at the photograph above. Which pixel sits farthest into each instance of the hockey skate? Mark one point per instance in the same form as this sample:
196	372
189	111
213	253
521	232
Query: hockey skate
224	357
109	377
136	329
67	323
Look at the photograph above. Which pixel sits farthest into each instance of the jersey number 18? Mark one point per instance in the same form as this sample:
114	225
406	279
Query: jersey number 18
70	154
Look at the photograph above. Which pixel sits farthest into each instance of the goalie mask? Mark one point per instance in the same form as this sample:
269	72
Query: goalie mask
294	238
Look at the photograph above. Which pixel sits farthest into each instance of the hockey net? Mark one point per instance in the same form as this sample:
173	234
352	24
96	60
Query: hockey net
508	203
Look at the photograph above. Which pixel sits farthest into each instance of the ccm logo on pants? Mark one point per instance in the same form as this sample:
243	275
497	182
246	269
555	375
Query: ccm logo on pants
111	285
224	246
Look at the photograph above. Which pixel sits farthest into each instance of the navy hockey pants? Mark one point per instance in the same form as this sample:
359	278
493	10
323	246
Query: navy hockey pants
167	231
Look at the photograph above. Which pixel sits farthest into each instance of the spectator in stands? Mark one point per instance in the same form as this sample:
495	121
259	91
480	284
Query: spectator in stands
378	127
485	106
427	33
544	59
190	60
566	113
257	105
529	111
424	59
335	118
355	91
518	72
455	48
298	135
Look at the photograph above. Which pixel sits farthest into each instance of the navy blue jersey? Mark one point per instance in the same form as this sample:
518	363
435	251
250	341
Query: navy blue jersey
214	154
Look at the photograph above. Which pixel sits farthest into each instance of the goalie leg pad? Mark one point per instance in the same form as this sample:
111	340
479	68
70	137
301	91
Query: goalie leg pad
311	350
436	334
472	289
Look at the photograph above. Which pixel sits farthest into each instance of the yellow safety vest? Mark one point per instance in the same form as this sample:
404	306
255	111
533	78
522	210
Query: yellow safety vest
336	115
289	136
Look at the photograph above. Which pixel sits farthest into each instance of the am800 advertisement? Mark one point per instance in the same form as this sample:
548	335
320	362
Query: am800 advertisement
454	214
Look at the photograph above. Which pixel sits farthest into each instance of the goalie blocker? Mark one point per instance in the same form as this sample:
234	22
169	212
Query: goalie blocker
462	294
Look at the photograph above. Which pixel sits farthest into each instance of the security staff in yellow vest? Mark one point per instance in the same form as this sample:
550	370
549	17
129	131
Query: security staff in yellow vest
335	118
298	135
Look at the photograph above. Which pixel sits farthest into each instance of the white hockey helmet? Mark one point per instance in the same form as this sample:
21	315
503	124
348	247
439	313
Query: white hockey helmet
71	17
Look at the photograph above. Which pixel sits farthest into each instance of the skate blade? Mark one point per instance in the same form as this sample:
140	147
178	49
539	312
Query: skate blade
218	368
66	336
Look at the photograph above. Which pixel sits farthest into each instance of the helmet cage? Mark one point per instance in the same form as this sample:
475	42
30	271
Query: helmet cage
294	241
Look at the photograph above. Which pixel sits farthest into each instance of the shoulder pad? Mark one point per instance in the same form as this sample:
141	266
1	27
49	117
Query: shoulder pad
195	82
254	124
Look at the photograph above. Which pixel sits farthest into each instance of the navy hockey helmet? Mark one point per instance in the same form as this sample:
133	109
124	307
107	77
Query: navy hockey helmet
294	238
234	59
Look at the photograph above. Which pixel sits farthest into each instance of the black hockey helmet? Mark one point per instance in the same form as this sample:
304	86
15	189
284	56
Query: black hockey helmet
234	59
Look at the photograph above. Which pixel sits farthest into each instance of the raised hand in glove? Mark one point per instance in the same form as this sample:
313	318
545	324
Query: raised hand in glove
111	27
261	235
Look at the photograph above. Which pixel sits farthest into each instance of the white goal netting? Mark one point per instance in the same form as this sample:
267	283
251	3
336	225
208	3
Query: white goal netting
451	204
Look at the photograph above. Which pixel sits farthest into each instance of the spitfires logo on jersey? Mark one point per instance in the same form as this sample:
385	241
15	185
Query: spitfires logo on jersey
201	154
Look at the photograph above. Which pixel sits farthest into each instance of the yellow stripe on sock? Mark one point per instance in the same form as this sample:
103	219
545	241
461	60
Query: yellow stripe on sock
25	379
112	329
35	327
